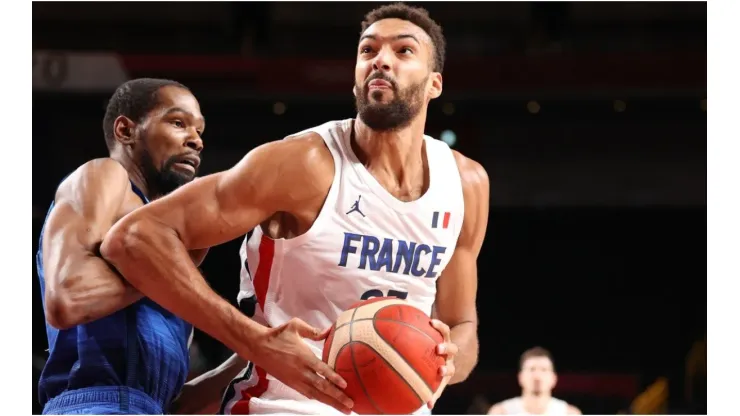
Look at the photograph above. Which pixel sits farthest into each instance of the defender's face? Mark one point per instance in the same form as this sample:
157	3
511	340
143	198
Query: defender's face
173	132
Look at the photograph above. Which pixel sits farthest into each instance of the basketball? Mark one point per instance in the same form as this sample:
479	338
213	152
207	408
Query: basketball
386	351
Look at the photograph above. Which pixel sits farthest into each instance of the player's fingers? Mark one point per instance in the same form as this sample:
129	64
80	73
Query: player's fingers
447	370
447	348
325	371
442	328
325	334
326	387
305	330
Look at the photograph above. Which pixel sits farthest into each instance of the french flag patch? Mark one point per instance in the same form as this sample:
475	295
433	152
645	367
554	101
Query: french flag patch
440	219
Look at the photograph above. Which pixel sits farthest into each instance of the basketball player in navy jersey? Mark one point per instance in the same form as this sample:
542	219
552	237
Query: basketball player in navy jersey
296	194
110	350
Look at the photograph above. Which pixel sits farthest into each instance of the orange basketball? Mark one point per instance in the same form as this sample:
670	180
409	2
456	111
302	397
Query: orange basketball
386	351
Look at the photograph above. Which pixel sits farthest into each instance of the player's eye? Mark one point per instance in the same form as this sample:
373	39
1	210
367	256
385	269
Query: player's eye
366	49
178	124
406	49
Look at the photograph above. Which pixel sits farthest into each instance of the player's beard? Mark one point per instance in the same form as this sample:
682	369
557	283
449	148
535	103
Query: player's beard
393	115
164	179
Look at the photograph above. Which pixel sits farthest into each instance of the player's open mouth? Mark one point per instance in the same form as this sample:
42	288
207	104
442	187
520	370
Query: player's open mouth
189	163
185	166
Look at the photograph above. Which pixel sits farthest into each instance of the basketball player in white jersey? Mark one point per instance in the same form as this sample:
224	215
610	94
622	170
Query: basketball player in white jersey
345	211
537	378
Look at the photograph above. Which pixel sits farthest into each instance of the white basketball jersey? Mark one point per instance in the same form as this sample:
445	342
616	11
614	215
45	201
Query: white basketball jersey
364	243
555	407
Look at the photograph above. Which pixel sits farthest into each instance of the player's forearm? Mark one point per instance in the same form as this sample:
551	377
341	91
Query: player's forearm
465	336
202	395
155	261
90	290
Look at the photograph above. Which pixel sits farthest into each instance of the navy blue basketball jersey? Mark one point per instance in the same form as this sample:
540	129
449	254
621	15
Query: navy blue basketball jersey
133	361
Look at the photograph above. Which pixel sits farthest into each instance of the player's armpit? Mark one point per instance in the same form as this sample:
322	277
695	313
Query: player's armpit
458	285
80	285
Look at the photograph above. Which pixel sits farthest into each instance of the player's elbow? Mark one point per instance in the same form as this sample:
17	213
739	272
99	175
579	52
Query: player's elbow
60	311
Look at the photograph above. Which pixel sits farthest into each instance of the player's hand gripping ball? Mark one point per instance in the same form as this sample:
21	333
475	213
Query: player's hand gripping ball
389	354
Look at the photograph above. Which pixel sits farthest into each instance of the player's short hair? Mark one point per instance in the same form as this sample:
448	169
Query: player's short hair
418	16
535	352
133	99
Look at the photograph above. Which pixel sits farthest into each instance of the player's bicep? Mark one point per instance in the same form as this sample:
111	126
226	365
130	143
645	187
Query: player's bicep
216	208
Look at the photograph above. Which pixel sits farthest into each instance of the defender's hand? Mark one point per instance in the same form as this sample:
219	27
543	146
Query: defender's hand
448	350
282	353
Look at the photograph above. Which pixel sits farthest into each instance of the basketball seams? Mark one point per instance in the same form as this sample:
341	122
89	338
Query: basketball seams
360	325
339	338
354	364
389	320
392	368
380	334
384	349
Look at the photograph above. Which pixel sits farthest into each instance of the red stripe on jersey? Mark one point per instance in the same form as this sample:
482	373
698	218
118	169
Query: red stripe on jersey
242	406
446	221
262	277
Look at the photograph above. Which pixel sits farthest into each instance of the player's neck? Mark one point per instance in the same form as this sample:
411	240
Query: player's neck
536	403
135	174
395	153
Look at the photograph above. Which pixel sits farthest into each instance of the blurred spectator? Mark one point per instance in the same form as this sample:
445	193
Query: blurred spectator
537	378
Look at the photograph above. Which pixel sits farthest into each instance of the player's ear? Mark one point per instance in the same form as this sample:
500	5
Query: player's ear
123	130
554	380
435	85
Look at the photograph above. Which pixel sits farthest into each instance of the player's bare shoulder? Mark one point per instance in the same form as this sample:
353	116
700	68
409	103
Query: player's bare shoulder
93	173
293	176
313	161
497	409
97	183
572	410
473	175
305	168
282	173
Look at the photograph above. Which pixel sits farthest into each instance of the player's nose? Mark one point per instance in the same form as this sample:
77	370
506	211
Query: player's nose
194	142
382	60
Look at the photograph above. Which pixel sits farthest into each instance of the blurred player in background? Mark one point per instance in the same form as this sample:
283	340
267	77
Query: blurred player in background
342	212
110	350
537	378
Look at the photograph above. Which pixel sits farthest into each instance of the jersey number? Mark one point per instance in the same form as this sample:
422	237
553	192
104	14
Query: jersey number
375	293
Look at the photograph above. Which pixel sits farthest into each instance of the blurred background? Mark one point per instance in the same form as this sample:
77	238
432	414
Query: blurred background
590	119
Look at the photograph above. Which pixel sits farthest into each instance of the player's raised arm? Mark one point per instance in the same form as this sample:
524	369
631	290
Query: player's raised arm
79	285
150	249
458	285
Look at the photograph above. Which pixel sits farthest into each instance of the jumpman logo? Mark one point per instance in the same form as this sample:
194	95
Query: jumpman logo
356	207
